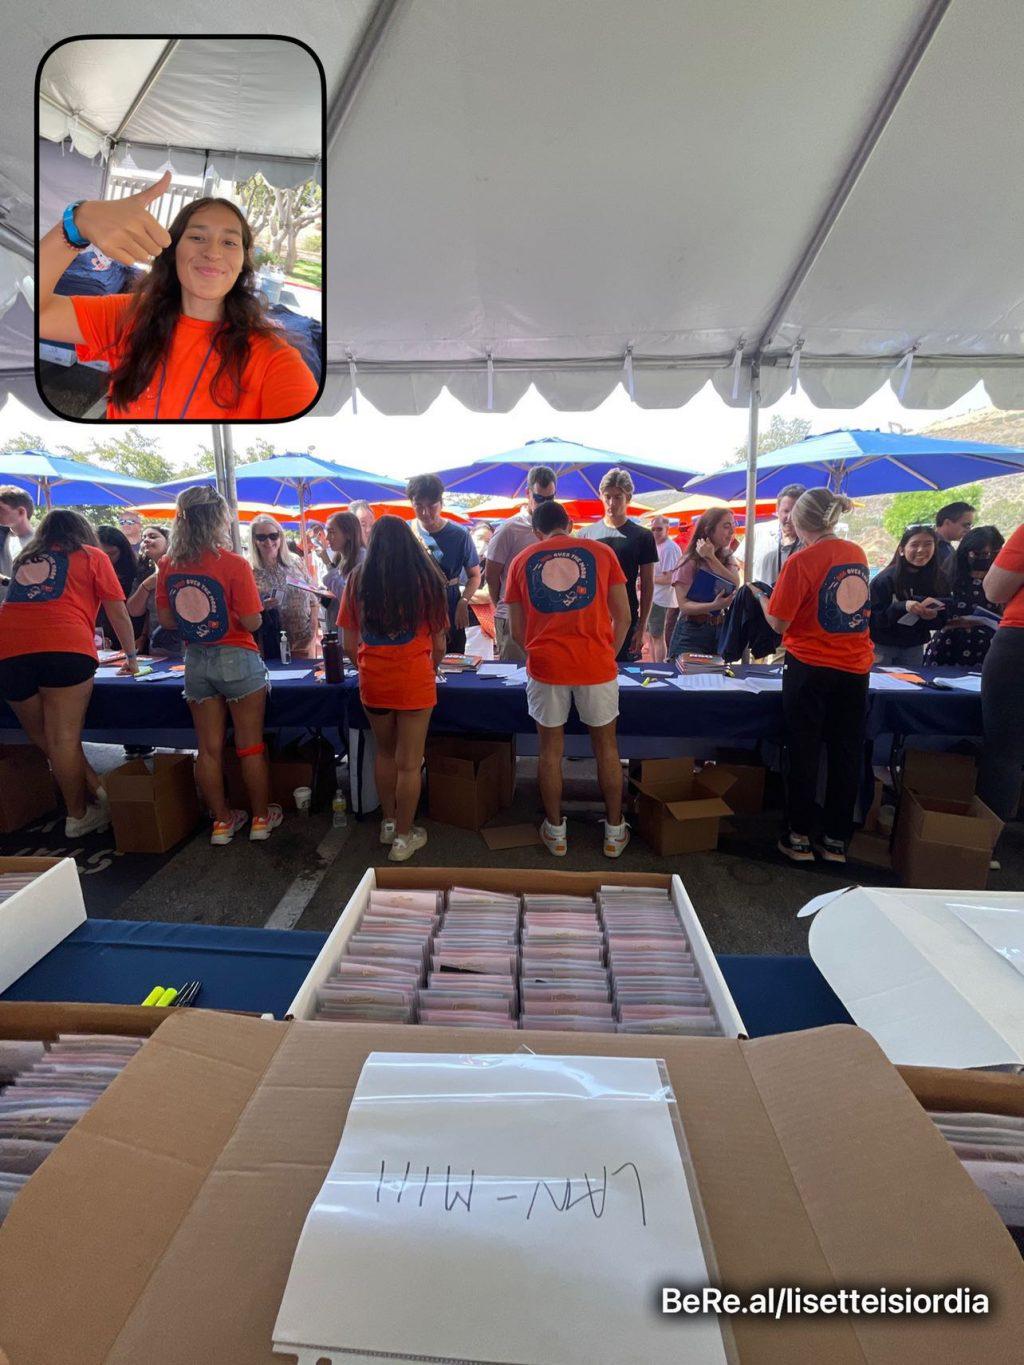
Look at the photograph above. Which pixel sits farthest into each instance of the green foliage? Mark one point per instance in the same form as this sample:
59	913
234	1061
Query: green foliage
129	452
907	508
307	272
311	242
780	432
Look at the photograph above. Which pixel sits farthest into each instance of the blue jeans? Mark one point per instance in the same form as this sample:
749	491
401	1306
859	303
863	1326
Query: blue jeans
227	671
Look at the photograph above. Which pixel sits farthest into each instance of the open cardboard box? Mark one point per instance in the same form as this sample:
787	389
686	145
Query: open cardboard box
944	834
677	809
165	1224
923	984
517	880
37	918
469	779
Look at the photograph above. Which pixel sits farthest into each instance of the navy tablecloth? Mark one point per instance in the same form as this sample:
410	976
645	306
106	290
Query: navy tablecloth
466	703
259	970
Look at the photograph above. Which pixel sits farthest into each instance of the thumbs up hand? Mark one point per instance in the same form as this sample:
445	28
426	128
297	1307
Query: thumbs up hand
124	229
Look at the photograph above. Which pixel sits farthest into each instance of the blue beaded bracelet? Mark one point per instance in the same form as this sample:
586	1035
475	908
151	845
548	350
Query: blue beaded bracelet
71	234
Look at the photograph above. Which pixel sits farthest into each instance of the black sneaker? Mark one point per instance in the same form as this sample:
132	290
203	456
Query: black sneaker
832	850
797	847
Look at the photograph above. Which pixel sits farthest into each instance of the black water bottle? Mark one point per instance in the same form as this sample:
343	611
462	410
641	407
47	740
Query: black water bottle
333	666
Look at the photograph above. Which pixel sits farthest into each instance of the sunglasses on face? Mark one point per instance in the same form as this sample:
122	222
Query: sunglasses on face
127	521
918	526
543	497
266	535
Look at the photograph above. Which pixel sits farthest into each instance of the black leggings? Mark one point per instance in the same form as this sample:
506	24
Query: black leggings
1002	711
823	706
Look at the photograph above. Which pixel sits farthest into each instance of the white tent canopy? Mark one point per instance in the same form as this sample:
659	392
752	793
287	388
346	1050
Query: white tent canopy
588	193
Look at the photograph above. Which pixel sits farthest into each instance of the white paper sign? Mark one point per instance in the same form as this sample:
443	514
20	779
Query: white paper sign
513	1208
1001	927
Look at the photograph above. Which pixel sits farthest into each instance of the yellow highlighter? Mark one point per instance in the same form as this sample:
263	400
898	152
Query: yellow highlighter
166	998
154	995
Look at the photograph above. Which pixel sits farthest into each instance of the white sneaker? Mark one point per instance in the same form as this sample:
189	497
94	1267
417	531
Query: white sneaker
96	818
405	845
616	837
554	838
225	830
387	831
264	825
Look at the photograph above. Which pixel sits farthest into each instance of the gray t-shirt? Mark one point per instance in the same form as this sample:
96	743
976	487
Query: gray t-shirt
511	537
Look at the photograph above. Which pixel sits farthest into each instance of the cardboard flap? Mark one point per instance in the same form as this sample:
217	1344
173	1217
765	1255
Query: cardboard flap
446	765
716	780
707	808
963	824
932	773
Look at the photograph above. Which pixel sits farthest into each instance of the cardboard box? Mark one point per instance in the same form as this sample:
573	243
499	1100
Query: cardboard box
26	786
871	847
678	810
746	795
306	764
37	918
920	980
503	745
944	843
46	1019
466	779
171	1213
933	773
153	810
518	880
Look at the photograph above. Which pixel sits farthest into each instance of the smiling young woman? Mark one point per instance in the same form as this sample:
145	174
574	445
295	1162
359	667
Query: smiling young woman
192	342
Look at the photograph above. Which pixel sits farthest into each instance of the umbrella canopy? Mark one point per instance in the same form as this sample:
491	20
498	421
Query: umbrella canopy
580	509
398	508
247	512
53	481
579	470
301	480
693	506
863	463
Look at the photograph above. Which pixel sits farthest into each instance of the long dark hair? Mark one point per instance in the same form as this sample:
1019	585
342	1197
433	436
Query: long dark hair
127	566
399	584
929	579
979	540
149	321
59	530
708	523
348	524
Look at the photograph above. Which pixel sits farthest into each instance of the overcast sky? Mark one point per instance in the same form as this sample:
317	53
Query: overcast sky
701	436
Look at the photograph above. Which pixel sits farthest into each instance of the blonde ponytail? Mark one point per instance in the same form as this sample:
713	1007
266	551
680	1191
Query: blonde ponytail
818	511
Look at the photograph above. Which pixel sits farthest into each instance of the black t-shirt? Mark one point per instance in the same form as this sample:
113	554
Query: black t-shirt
634	546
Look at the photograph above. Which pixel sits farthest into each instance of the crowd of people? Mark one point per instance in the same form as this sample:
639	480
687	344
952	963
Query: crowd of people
570	607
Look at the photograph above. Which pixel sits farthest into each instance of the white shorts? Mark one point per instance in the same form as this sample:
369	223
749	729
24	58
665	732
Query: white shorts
597	703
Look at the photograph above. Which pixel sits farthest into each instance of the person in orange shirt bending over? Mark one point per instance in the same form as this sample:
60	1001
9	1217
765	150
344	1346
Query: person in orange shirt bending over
820	607
569	612
394	622
193	341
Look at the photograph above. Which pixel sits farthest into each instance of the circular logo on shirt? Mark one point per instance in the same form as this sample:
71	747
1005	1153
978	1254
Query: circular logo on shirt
200	606
843	600
39	579
561	580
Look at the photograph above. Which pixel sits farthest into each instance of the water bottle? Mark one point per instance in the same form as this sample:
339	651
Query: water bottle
333	666
339	810
286	649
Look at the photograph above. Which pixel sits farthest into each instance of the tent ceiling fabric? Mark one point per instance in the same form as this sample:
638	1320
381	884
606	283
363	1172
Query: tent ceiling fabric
595	194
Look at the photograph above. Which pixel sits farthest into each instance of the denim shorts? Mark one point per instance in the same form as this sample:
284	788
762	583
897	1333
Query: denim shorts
226	671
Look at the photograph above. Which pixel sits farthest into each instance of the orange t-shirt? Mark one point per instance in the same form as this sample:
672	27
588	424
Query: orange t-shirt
562	585
823	593
52	602
276	381
1011	558
396	673
208	596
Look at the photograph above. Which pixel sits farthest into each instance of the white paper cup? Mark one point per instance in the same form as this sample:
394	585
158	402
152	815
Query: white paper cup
302	797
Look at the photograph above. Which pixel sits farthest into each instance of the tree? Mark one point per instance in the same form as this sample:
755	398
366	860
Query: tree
781	432
131	453
906	509
204	463
31	440
282	213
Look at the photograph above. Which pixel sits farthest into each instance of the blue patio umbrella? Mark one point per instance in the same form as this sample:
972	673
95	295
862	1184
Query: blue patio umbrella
579	470
299	481
863	463
53	481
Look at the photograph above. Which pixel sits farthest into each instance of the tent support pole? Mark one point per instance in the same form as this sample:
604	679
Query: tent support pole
15	242
886	107
229	490
352	78
147	86
751	515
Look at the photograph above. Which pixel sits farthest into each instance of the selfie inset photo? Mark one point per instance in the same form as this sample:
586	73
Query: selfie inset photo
180	265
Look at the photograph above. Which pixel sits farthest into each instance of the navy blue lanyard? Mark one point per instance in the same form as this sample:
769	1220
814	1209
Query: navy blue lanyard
192	390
